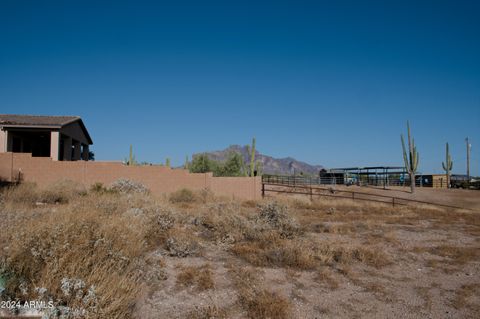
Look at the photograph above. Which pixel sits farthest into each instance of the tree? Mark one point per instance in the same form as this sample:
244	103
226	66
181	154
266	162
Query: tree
202	164
410	158
232	167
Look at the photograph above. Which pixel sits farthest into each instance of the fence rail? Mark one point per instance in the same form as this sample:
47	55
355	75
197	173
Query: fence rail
312	187
372	180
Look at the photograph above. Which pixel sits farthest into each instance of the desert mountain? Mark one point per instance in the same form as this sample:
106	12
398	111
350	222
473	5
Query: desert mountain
271	165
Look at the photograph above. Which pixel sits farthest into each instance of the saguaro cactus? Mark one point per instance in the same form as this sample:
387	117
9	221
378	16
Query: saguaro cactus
131	157
185	166
411	158
448	164
259	168
167	162
252	159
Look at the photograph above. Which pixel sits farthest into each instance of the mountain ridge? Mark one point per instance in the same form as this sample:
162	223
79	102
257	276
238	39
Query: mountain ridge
270	165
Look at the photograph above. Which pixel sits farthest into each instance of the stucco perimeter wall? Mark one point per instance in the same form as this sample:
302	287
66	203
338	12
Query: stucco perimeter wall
238	187
43	171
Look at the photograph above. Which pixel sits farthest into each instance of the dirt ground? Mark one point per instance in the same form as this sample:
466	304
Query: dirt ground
429	267
107	253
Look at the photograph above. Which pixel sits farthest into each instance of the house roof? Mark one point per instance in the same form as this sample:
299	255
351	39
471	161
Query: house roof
41	121
36	120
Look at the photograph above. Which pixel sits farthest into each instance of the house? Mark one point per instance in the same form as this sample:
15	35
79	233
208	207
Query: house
62	138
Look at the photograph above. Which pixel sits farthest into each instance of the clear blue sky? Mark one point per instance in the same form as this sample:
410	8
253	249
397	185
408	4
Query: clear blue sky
327	82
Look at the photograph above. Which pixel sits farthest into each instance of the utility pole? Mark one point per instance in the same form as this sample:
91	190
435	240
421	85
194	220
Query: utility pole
469	146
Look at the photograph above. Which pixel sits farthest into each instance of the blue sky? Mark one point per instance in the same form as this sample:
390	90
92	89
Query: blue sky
327	82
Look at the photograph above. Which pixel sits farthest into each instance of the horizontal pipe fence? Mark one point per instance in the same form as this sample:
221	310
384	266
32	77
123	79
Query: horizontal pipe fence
372	180
313	187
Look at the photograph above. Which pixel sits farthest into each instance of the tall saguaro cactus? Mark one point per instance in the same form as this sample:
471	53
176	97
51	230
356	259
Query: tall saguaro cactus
448	164
410	158
252	159
167	162
131	157
185	166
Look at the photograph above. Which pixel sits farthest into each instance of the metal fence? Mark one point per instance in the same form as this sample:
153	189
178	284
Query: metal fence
315	187
344	180
372	180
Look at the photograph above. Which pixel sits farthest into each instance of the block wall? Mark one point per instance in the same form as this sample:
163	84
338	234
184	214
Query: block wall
160	180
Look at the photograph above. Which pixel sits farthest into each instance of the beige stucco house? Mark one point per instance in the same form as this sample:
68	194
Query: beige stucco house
63	138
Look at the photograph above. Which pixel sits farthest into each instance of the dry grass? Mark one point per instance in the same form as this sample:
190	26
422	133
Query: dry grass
183	196
97	251
305	255
462	296
208	312
257	301
454	255
88	252
281	253
326	277
29	195
200	277
458	255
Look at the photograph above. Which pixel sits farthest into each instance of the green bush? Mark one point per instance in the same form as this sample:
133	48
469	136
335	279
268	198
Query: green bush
202	164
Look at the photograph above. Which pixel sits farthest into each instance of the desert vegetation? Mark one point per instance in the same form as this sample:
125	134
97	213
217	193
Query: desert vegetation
116	251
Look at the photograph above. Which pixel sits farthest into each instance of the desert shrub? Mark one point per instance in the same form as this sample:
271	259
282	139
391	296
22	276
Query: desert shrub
331	254
272	250
280	253
266	304
61	192
22	194
99	188
183	196
182	244
256	300
157	222
163	220
126	186
206	195
224	223
278	217
78	256
200	277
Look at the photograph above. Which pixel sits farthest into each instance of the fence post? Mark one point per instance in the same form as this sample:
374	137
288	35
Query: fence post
393	201
263	190
311	192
